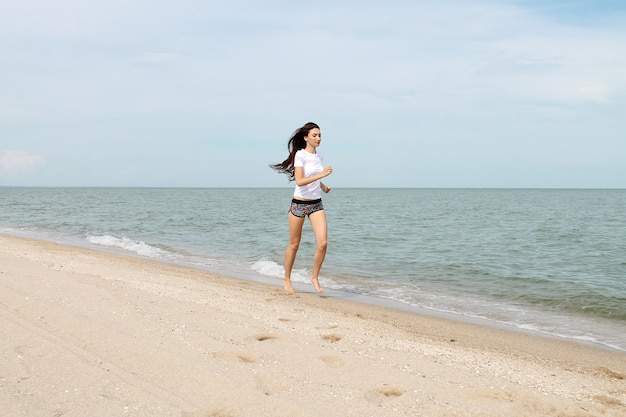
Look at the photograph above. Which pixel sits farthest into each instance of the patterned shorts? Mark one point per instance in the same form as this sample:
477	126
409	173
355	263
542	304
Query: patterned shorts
300	208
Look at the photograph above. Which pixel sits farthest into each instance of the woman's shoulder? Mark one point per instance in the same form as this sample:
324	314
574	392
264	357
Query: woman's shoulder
308	155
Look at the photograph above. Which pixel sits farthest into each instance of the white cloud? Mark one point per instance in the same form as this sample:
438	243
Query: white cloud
18	162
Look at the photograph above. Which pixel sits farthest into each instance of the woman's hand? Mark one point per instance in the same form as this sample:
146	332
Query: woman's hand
327	171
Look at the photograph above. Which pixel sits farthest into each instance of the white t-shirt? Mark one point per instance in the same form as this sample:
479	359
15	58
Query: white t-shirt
312	164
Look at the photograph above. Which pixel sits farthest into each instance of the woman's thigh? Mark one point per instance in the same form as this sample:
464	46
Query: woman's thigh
295	228
319	225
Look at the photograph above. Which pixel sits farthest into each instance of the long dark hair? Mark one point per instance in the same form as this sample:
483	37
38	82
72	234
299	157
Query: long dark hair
296	143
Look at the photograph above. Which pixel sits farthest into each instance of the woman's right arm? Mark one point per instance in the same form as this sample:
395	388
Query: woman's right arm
302	180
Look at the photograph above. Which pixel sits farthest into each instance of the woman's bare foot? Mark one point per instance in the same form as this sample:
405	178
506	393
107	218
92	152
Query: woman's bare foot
288	287
317	285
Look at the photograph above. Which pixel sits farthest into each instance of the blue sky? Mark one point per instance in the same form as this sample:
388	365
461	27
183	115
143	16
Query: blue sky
193	93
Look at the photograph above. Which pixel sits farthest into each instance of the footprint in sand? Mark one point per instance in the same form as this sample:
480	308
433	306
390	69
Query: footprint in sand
332	338
607	400
386	393
333	361
610	373
265	337
236	357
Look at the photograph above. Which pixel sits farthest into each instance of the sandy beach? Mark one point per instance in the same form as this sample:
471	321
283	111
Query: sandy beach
88	333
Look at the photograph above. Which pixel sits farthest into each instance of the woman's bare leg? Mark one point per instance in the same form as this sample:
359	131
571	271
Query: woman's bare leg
318	223
295	234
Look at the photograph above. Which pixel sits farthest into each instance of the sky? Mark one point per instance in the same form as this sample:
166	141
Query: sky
424	94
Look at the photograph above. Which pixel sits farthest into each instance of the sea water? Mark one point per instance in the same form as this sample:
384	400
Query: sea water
545	260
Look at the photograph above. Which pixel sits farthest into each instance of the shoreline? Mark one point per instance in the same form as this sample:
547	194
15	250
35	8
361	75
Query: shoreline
87	332
302	287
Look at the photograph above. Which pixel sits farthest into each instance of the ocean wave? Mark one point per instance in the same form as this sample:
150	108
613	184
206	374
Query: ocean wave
269	268
136	246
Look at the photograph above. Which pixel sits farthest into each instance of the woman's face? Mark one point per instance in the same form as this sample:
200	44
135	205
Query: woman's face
314	137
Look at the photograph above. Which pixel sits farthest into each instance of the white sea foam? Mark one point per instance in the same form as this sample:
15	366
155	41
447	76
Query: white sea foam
272	269
136	246
268	268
